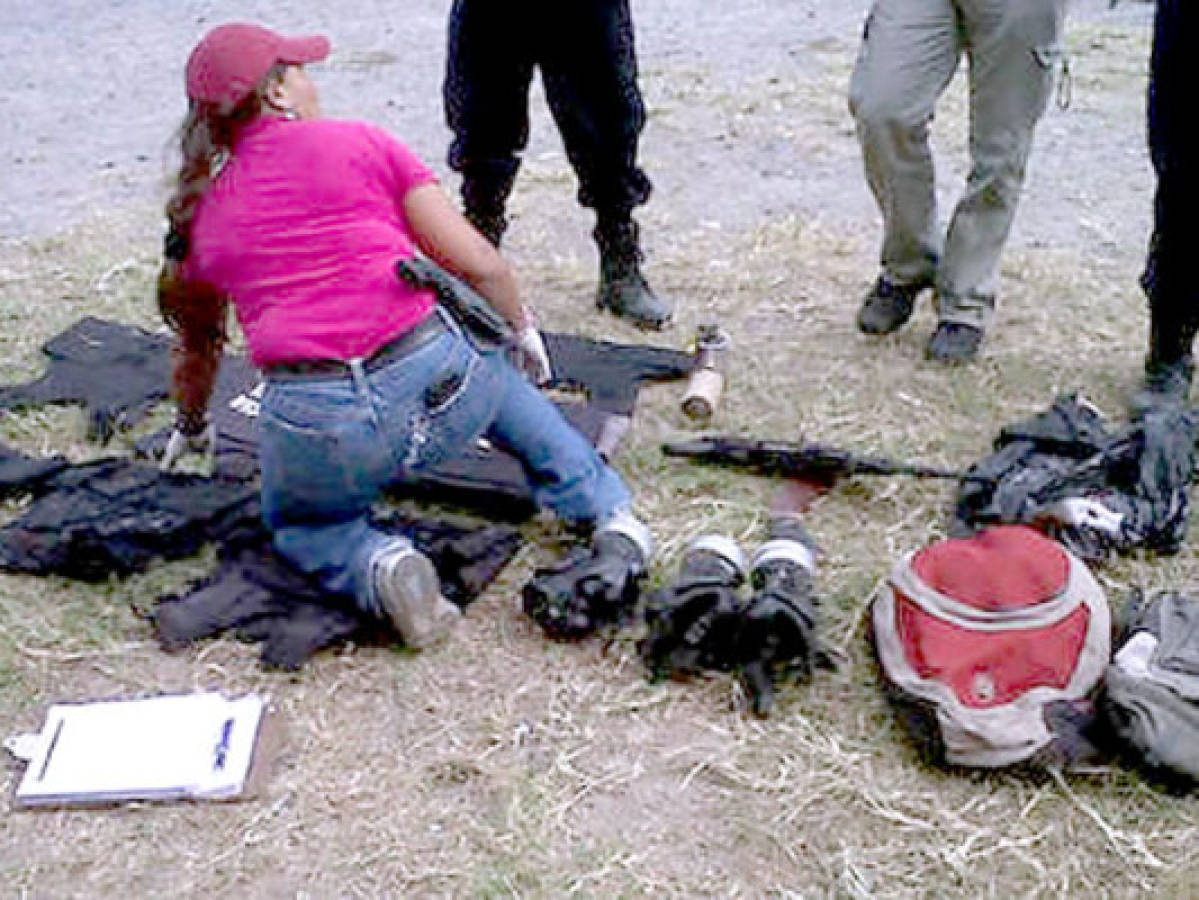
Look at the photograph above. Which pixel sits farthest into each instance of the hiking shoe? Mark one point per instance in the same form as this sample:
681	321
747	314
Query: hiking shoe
1166	384
954	342
888	306
409	594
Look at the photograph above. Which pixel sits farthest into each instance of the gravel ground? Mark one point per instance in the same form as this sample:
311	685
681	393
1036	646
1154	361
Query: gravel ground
93	91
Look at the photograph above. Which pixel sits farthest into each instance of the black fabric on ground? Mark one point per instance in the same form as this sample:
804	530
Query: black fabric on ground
114	516
233	412
611	374
257	595
1151	471
118	372
490	480
482	477
1030	455
1139	474
21	474
1071	427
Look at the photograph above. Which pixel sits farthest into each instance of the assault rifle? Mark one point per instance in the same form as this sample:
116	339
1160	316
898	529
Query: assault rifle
813	462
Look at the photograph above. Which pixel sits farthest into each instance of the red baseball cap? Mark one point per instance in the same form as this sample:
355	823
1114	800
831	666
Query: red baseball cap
232	59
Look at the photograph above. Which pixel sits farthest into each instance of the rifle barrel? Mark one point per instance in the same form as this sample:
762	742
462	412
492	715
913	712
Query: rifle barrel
790	458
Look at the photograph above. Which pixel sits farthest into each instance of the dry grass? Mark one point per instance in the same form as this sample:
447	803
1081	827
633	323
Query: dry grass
504	765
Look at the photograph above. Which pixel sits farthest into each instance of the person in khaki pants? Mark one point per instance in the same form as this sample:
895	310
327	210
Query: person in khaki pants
910	50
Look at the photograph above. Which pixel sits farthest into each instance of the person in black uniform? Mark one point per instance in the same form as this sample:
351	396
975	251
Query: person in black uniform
1170	284
584	49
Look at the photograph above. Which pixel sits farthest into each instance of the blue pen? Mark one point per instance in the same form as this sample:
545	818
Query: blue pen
222	748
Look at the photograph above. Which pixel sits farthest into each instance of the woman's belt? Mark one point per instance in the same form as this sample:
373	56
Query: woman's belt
408	342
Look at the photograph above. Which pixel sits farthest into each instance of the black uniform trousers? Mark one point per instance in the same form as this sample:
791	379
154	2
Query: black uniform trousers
1170	282
584	49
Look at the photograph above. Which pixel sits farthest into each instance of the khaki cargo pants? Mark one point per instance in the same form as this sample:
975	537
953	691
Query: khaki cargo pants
909	53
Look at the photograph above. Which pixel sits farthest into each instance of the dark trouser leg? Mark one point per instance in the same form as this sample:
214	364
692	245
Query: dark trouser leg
489	68
1169	286
1172	293
589	67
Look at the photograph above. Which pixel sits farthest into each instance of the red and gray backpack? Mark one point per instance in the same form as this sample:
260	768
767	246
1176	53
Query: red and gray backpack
987	643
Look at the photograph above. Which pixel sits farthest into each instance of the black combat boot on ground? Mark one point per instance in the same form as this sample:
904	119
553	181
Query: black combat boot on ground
1169	366
594	588
693	623
623	290
1166	384
778	631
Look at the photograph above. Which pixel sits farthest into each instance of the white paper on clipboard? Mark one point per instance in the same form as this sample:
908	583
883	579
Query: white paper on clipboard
187	746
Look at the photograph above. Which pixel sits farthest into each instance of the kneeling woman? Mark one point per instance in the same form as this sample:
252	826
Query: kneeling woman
299	222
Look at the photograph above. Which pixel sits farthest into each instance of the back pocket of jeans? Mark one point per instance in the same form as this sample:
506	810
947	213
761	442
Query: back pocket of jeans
444	389
450	382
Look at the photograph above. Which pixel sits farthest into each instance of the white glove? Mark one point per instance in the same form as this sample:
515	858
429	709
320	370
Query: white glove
180	444
1082	512
532	358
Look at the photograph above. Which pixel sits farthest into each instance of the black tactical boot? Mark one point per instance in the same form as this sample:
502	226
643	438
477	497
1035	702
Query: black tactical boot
693	623
1166	384
778	630
1169	366
623	290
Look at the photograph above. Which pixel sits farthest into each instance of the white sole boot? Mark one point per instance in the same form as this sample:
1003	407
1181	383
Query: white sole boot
409	594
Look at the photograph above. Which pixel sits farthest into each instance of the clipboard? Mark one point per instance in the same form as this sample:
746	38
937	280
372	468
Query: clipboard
197	746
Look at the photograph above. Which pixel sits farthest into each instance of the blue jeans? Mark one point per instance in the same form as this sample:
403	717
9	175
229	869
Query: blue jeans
330	445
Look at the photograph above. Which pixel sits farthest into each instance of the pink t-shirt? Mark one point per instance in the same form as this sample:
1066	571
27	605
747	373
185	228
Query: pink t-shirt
302	228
